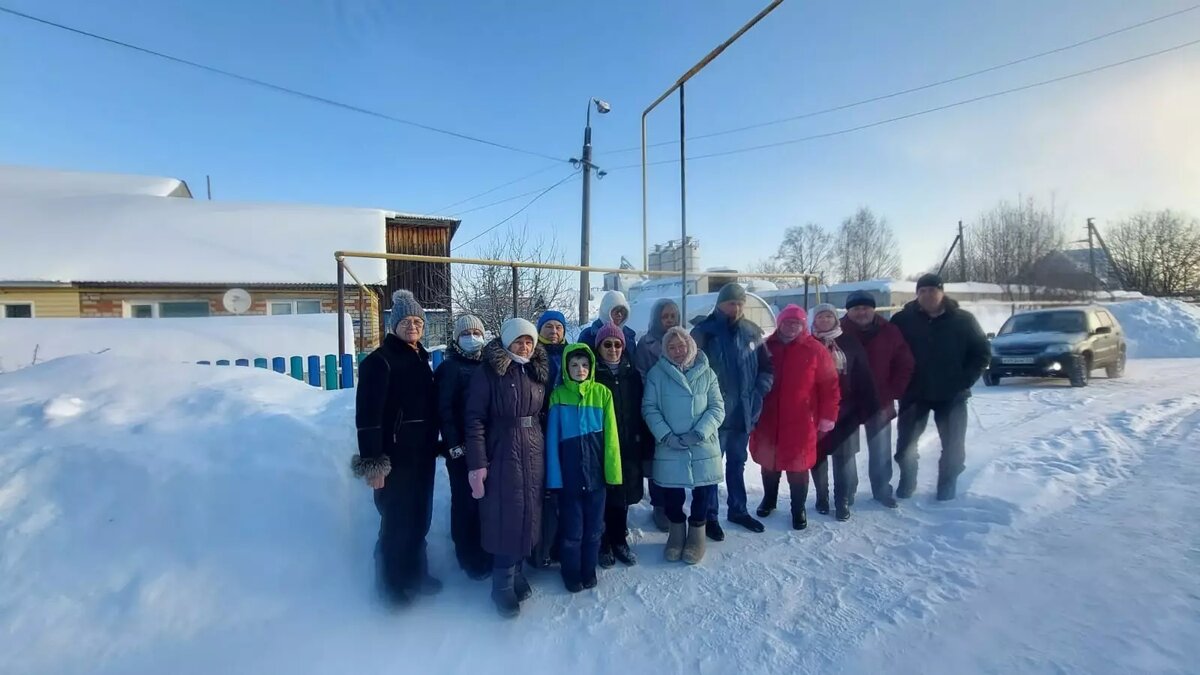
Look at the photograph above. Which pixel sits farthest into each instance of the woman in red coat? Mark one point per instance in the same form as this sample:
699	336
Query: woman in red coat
802	405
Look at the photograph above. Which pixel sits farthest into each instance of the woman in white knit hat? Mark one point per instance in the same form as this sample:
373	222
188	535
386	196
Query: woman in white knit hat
505	453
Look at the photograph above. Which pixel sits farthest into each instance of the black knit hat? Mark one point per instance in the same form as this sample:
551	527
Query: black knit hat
929	279
860	298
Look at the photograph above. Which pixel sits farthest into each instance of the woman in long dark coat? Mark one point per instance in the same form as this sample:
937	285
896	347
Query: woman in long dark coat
506	455
858	402
616	371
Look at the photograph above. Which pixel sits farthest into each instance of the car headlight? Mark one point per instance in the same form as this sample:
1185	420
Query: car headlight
1058	348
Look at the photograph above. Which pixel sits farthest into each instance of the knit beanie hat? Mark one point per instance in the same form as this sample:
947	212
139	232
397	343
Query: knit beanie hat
404	305
929	279
860	299
733	291
466	322
551	315
608	331
792	312
515	328
823	307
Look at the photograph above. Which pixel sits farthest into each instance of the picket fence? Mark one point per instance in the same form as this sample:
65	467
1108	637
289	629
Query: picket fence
328	372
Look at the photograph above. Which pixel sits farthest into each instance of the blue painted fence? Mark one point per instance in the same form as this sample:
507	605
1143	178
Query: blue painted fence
324	372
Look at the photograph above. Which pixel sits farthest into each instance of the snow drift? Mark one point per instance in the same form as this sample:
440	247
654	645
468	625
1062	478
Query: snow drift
180	340
1159	328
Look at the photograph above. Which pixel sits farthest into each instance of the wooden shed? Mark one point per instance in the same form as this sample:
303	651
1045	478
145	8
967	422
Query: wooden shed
429	282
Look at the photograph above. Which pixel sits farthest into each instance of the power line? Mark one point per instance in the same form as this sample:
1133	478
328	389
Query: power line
919	113
276	87
518	212
498	201
504	185
931	85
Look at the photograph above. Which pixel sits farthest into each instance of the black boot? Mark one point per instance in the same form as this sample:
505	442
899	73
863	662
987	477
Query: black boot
606	558
843	511
504	593
889	502
947	490
770	494
799	519
747	521
823	504
712	529
623	553
521	585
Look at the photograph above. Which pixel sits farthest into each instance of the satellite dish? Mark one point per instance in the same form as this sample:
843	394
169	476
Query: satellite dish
236	301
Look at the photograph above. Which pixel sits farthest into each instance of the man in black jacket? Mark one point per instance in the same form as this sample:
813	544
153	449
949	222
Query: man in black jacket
951	352
396	416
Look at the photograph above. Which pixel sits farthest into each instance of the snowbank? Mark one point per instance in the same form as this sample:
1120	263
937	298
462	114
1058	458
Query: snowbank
181	340
1159	328
27	180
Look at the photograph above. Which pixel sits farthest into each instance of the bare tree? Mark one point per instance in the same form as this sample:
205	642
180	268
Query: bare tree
866	248
769	266
487	291
1157	252
1007	244
806	248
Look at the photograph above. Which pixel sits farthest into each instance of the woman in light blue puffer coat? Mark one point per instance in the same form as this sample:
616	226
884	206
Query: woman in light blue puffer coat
683	409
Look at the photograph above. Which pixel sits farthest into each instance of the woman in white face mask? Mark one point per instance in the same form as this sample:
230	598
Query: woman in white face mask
452	378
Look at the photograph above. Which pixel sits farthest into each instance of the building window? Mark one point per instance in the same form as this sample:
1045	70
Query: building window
17	310
168	309
284	307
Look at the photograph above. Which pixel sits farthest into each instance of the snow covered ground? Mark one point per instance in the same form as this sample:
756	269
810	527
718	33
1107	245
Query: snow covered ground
200	520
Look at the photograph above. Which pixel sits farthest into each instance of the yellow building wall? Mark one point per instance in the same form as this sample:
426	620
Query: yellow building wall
56	303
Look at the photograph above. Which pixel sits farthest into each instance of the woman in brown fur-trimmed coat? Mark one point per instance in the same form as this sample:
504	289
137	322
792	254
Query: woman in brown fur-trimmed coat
506	454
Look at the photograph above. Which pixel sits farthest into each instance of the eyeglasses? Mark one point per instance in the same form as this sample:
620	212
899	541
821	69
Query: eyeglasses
611	344
411	323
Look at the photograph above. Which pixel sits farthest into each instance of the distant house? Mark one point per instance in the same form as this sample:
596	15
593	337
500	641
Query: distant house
1071	269
101	245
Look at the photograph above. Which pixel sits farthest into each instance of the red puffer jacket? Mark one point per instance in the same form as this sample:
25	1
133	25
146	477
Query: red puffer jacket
890	358
805	391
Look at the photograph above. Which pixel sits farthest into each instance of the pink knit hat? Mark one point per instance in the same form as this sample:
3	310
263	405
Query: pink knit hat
609	331
792	312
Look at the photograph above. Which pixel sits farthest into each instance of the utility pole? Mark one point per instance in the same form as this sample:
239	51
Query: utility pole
1092	249
683	289
208	183
962	252
585	238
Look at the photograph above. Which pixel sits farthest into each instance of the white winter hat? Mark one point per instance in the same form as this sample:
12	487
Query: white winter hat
515	328
611	301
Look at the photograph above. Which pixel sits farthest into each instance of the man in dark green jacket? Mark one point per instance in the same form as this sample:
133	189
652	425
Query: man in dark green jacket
951	353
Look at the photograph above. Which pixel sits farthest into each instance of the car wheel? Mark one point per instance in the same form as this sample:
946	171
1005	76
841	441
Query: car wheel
1117	369
990	379
1081	370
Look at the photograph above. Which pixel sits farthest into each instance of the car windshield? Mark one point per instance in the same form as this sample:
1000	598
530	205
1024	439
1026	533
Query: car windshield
1046	322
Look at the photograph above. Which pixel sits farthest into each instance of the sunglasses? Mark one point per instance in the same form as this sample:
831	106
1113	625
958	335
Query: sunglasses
611	344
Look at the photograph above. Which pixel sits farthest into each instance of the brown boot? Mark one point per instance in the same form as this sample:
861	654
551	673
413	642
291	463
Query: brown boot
693	549
675	538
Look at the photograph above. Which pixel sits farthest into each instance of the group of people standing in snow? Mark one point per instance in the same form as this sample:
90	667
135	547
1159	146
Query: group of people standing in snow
547	444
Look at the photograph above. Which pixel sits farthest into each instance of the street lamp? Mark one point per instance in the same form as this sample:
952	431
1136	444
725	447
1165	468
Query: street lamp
603	108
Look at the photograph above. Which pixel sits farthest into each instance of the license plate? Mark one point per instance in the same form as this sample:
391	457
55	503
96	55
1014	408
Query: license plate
1017	360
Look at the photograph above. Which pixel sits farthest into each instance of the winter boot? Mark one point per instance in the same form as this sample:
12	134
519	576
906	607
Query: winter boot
660	519
606	558
427	585
571	582
889	502
770	495
823	504
947	490
907	486
589	579
693	549
623	553
747	521
799	518
843	511
503	593
712	530
675	540
521	585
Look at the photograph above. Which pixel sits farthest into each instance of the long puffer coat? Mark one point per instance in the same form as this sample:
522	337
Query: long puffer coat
637	446
858	401
504	435
453	379
805	392
677	402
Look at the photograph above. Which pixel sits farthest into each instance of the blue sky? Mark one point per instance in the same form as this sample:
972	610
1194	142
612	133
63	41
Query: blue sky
520	74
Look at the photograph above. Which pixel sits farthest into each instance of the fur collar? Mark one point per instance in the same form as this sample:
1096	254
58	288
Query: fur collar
495	355
457	352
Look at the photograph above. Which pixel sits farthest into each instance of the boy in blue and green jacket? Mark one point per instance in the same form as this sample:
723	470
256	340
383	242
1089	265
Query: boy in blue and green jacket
583	457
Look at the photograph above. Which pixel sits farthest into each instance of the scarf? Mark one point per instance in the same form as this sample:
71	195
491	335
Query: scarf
830	340
519	360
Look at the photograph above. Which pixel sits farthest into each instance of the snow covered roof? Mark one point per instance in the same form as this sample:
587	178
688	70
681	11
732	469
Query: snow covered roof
31	181
140	238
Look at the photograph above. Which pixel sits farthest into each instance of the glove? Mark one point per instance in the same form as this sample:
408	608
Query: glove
824	427
456	452
675	442
691	438
476	477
